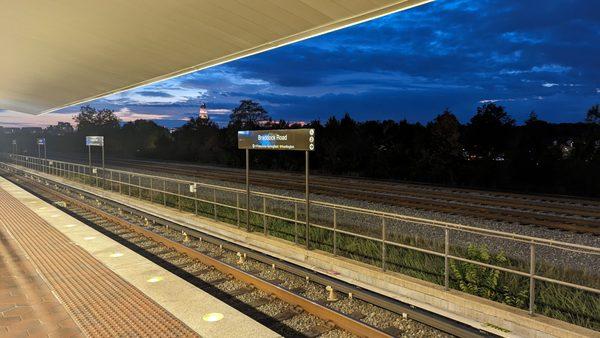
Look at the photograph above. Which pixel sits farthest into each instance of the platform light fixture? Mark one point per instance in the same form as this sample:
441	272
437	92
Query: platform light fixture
212	317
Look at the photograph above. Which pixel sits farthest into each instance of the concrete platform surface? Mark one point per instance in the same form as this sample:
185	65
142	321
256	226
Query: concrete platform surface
39	226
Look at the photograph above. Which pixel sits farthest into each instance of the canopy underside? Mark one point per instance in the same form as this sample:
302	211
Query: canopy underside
59	53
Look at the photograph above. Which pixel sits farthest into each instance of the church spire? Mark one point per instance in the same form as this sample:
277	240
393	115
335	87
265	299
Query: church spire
203	113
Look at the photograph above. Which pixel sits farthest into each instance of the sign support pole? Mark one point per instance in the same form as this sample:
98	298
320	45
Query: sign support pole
103	171
90	158
307	203
248	190
39	151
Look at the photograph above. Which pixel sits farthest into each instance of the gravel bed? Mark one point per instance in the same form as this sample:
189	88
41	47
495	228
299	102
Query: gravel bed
181	260
274	307
382	318
195	267
231	285
337	333
211	275
303	322
252	296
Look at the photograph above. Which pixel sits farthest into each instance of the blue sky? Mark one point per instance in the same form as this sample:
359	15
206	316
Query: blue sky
524	55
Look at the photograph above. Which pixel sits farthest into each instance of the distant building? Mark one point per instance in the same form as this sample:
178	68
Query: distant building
203	113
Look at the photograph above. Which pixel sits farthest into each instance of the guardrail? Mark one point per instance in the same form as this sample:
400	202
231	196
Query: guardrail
189	195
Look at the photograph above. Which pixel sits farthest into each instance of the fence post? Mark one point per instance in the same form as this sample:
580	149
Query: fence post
237	207
531	278
296	222
129	184
383	232
140	187
446	251
165	192
215	203
179	196
196	201
334	232
265	215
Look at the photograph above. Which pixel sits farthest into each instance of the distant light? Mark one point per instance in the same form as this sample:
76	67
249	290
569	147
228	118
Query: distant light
88	238
212	317
154	279
116	254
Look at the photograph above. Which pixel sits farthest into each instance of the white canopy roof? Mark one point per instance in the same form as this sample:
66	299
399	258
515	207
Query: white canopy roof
59	53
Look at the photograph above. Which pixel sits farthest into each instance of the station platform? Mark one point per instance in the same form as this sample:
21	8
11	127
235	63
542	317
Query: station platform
61	278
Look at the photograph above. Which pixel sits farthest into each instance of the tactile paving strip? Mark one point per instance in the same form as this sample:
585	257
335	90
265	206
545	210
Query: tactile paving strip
103	304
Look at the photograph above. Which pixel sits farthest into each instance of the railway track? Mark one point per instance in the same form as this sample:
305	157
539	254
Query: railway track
288	299
568	214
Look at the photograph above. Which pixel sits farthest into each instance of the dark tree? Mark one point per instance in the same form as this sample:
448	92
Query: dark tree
488	132
445	148
248	115
90	119
593	114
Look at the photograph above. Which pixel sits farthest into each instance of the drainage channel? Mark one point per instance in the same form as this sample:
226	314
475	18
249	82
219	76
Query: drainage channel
291	300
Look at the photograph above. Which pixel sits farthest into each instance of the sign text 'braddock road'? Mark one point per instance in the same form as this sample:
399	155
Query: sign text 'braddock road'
280	139
94	141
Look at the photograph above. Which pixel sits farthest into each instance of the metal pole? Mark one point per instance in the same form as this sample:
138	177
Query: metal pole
531	278
196	201
334	232
165	192
215	203
248	189
45	151
296	222
90	158
307	203
446	252
103	170
265	215
383	232
237	208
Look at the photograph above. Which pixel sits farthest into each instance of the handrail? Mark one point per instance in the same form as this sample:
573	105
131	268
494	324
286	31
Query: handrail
386	214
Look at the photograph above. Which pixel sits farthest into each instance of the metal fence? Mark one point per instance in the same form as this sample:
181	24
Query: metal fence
380	231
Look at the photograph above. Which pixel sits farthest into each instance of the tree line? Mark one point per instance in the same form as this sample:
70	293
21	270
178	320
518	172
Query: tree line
490	151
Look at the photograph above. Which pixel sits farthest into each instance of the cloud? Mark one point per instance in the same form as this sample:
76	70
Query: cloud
10	118
127	115
154	93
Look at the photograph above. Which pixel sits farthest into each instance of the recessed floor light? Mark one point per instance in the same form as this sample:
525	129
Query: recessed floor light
116	254
88	238
212	317
70	225
154	279
54	216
